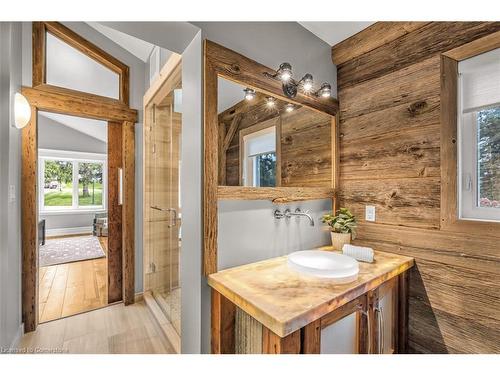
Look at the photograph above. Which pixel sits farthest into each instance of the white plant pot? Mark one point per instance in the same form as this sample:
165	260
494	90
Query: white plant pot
339	239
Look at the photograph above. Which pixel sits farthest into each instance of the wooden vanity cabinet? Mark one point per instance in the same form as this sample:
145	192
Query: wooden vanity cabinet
374	323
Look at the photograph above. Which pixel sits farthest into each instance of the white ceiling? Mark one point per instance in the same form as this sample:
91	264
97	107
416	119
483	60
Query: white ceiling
70	68
334	32
229	93
94	128
137	47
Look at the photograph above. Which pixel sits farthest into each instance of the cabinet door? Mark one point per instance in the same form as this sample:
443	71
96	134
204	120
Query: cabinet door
384	305
343	331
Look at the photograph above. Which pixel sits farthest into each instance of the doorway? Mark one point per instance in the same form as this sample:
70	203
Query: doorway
72	215
162	209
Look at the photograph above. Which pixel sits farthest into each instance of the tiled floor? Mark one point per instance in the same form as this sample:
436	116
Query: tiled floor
113	329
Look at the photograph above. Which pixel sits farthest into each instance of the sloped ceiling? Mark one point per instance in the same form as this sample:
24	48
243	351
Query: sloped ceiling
335	32
94	128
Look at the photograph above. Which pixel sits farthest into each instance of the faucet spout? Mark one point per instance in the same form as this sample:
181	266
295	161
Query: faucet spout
298	212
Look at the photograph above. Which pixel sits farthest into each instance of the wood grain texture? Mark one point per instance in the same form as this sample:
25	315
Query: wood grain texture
274	344
285	301
241	69
397	147
29	220
210	165
311	342
373	36
223	324
411	48
81	44
276	194
128	211
474	48
115	213
71	102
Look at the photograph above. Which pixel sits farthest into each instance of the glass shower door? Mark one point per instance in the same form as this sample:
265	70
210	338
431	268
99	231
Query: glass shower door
164	212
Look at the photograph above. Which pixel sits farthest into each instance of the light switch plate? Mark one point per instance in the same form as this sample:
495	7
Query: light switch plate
370	213
12	193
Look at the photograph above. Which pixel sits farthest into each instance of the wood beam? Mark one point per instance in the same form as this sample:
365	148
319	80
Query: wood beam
71	102
128	211
223	324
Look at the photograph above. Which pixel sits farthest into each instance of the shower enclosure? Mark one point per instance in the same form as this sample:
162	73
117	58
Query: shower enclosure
162	211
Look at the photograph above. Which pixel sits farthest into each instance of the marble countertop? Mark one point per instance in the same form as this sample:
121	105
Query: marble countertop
284	300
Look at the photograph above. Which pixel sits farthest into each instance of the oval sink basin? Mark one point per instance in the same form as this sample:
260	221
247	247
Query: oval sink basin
319	263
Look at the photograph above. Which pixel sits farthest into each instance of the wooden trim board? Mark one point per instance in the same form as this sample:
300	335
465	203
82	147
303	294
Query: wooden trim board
76	41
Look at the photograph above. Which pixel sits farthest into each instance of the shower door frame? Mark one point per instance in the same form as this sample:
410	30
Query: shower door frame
166	82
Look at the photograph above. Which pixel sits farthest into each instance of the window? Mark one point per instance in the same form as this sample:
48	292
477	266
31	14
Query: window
479	137
259	158
71	181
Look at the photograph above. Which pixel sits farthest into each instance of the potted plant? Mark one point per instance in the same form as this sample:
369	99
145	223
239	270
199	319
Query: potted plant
342	227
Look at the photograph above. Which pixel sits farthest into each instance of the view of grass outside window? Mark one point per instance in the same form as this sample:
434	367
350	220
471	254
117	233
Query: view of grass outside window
488	149
89	184
58	183
59	180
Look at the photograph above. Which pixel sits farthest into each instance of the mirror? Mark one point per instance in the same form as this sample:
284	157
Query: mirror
267	142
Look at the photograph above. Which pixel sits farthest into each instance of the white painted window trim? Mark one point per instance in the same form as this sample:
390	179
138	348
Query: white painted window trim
467	175
249	175
74	157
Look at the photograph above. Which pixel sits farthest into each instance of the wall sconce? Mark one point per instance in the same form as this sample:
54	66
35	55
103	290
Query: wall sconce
306	83
22	111
249	93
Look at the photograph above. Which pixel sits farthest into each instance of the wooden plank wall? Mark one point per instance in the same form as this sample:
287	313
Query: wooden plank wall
389	94
306	142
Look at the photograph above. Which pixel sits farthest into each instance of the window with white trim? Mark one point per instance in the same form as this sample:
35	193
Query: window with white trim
259	158
479	137
72	181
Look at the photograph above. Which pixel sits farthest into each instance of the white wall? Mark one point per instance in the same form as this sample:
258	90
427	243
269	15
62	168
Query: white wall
191	185
10	172
137	90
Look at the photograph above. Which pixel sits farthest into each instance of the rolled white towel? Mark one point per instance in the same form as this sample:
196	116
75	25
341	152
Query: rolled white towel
363	254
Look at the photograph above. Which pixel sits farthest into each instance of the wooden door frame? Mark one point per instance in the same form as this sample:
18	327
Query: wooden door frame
44	97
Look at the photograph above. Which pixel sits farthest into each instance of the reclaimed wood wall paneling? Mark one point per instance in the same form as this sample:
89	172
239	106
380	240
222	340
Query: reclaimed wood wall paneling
390	140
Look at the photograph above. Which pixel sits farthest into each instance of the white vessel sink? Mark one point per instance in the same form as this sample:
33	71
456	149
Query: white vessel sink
325	264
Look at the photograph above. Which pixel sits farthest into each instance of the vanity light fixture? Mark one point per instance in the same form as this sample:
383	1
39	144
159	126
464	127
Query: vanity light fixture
270	101
289	107
306	84
249	93
22	111
325	90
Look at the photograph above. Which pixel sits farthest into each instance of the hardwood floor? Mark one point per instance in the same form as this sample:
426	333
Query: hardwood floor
72	288
115	329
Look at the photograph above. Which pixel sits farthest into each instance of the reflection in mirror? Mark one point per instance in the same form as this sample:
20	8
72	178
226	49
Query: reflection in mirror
267	142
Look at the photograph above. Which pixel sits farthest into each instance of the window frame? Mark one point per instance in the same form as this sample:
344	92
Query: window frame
68	36
449	207
247	163
75	158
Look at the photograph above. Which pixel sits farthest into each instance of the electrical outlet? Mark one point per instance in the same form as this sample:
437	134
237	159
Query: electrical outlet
370	213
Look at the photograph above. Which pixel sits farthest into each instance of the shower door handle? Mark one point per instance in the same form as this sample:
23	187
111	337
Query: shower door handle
173	218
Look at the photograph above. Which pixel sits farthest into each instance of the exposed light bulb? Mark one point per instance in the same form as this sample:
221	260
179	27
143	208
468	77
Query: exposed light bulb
249	94
270	101
289	107
22	111
307	82
326	90
285	72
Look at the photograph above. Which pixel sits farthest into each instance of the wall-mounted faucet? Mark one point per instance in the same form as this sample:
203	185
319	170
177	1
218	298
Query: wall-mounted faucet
287	214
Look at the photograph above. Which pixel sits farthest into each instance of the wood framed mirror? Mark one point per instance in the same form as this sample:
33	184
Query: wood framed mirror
253	150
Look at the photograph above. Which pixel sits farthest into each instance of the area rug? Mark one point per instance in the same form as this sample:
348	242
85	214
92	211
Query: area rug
69	249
